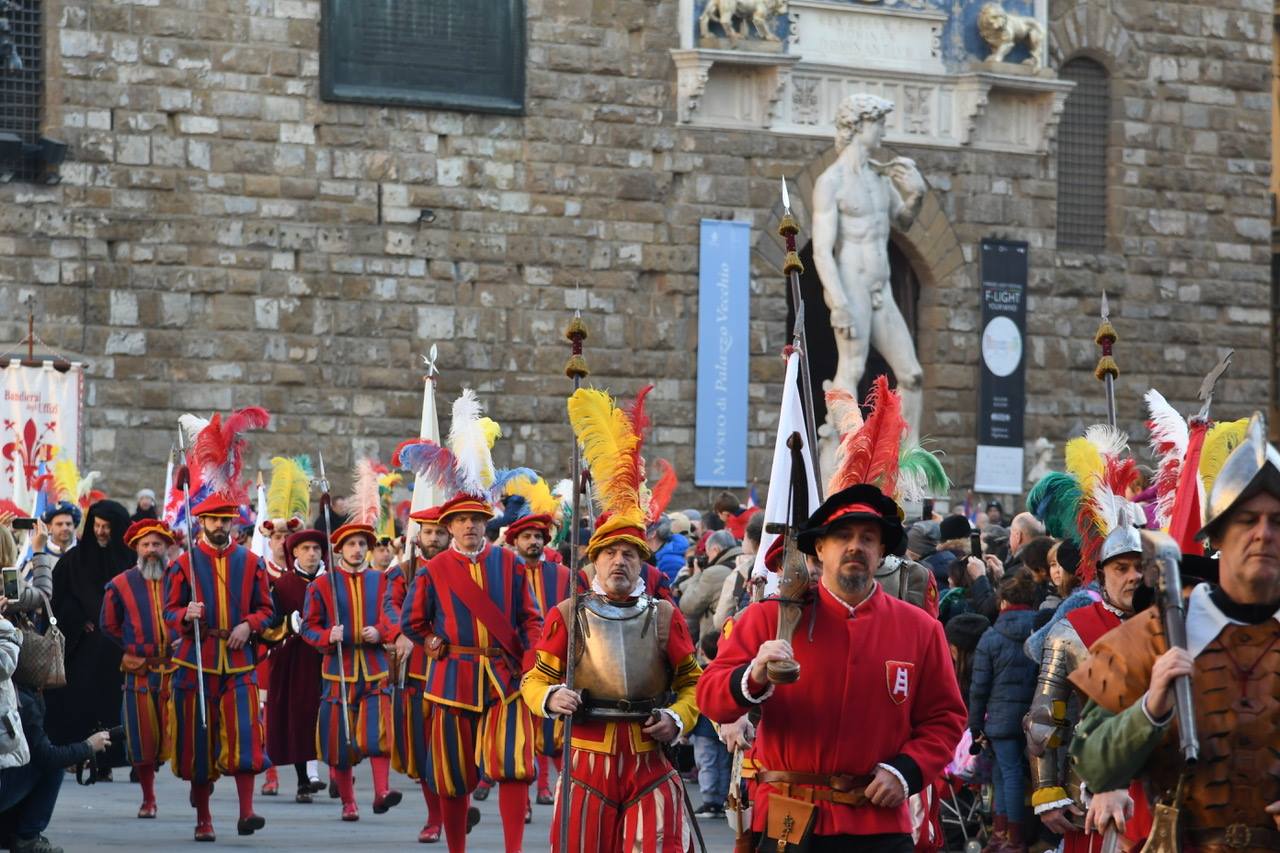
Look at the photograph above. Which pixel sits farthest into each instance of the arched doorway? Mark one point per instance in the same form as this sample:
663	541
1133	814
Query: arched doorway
821	338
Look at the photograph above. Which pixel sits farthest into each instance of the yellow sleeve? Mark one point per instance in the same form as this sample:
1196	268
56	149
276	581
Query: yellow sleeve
547	672
685	686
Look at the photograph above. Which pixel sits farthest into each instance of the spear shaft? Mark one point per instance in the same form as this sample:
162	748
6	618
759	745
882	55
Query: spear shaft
792	267
325	502
575	369
185	476
1107	369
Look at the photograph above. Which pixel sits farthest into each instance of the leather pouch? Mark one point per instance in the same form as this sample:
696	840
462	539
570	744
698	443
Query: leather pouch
435	647
788	825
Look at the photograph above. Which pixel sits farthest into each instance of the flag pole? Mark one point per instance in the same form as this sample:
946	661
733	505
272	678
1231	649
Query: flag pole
791	268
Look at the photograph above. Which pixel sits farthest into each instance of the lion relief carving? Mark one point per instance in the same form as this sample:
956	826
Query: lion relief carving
1003	31
759	14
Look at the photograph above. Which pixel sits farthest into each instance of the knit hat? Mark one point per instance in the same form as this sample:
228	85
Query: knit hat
922	538
953	527
964	630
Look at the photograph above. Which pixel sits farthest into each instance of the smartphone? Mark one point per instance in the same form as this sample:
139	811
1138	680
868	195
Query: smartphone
24	524
975	545
926	509
9	575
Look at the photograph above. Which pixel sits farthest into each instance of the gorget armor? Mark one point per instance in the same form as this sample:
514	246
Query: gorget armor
622	668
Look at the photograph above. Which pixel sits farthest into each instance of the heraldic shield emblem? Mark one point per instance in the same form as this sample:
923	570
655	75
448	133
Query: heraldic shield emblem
898	675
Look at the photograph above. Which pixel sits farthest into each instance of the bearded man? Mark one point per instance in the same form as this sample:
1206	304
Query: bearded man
133	618
223	587
884	662
91	700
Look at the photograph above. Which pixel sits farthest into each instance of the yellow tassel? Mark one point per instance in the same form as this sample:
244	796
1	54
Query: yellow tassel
576	367
792	264
1106	367
1106	332
787	226
577	329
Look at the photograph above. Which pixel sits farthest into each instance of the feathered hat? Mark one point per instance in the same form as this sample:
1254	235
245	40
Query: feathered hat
875	467
464	467
216	459
1092	491
363	506
611	439
289	496
1251	468
542	511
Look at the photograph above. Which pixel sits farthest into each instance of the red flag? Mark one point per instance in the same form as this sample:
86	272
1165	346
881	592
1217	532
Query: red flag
1184	521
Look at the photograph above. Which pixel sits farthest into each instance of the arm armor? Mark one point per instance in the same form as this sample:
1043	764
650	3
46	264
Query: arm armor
1048	723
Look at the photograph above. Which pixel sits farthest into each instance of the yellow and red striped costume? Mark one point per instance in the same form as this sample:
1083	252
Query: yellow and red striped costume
626	795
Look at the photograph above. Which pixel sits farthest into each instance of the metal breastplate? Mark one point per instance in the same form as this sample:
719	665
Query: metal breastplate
622	665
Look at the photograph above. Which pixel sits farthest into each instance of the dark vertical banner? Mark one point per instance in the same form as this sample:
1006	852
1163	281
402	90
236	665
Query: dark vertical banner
1002	396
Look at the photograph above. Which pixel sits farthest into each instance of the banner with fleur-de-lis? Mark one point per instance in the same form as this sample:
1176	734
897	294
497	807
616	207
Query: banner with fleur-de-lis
40	417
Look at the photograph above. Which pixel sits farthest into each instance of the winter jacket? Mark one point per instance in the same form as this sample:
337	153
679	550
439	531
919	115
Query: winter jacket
13	742
44	754
1083	597
939	562
734	591
1003	677
670	557
702	593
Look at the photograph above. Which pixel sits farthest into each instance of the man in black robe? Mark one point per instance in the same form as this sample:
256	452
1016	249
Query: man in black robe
91	700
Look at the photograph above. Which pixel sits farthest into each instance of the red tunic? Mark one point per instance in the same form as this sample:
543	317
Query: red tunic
293	700
876	685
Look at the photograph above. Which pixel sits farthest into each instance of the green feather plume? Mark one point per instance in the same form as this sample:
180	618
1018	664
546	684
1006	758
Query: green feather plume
1055	500
921	475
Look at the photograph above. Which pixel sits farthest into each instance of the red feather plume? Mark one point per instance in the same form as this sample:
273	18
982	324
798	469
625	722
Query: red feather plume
870	455
663	490
639	425
218	451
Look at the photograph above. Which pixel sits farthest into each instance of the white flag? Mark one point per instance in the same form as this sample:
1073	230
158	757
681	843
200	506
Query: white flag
260	545
778	503
426	493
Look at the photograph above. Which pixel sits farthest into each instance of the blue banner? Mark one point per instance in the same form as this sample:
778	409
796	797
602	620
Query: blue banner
724	281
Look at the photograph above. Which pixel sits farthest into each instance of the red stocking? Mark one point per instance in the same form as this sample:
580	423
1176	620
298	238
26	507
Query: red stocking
346	785
381	774
433	805
200	799
147	779
244	790
544	775
454	812
513	799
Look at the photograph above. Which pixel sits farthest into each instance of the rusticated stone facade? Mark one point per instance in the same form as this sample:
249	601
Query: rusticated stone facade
223	237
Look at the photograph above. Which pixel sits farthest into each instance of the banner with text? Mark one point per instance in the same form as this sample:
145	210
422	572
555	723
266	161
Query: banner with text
724	282
1002	401
39	421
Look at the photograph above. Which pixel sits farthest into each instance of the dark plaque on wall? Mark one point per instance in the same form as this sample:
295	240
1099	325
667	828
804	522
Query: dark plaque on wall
454	54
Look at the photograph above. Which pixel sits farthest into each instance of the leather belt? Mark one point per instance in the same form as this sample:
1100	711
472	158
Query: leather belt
216	633
1238	836
841	788
484	652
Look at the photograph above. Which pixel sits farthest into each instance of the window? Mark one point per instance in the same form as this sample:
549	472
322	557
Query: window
1082	157
21	78
454	54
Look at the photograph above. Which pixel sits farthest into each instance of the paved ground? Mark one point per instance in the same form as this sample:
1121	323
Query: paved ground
101	817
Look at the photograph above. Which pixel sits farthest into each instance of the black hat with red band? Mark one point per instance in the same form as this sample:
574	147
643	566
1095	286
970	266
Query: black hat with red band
861	502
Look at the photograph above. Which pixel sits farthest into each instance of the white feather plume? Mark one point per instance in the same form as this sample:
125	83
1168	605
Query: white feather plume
1110	441
470	444
363	503
1170	435
191	425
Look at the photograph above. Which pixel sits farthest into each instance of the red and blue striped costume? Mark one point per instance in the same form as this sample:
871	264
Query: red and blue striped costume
133	618
551	583
232	586
477	716
354	601
409	711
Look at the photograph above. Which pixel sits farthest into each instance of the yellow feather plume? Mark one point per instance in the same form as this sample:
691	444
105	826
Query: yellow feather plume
290	493
491	429
1222	438
1084	462
66	480
609	447
537	495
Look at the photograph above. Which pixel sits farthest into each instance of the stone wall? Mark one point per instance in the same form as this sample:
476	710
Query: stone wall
222	237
